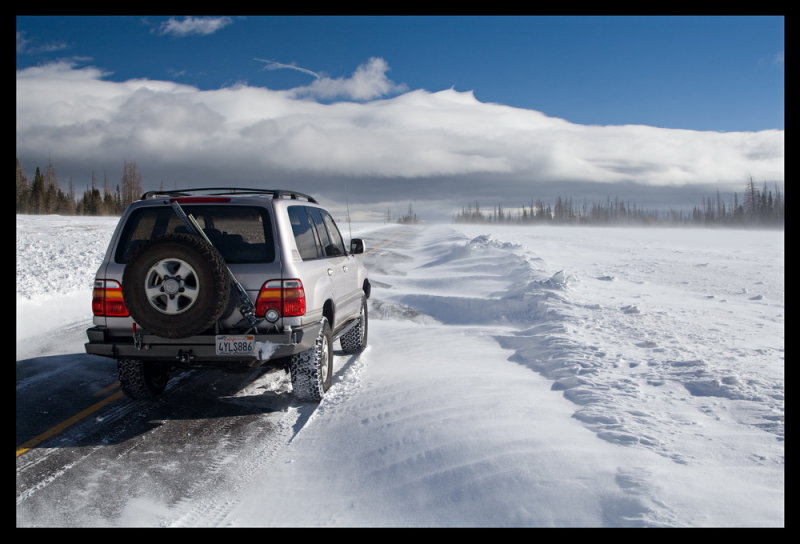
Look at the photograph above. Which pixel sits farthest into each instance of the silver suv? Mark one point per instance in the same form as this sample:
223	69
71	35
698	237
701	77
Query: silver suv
230	279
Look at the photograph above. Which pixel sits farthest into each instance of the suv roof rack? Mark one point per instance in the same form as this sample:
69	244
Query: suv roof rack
215	191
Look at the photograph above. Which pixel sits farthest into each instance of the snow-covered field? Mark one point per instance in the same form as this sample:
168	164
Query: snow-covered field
515	376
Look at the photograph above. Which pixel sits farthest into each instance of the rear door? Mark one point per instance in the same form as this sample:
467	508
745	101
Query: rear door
348	296
311	267
325	262
243	234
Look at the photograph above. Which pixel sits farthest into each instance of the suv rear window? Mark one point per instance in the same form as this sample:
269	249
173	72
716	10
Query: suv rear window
242	234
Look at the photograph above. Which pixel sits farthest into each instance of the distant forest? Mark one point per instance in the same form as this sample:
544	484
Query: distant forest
43	194
756	207
762	207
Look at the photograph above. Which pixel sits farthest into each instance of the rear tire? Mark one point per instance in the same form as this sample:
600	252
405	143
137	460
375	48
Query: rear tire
312	370
142	379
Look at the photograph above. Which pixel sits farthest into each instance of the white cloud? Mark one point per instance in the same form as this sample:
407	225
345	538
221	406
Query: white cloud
369	81
193	25
22	42
28	46
76	117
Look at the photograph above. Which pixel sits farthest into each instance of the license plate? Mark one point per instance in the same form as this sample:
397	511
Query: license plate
244	344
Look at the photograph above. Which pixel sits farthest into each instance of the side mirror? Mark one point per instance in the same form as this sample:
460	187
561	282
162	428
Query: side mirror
356	246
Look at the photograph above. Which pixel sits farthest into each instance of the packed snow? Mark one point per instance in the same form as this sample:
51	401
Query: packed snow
515	377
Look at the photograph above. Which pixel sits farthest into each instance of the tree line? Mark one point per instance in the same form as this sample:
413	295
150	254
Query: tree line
44	195
757	207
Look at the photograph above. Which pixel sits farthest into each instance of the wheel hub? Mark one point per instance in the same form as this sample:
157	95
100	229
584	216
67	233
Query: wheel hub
172	285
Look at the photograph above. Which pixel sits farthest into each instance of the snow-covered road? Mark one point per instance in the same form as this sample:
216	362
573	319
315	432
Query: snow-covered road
515	376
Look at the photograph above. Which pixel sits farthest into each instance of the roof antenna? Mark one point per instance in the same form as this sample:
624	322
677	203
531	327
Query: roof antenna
347	201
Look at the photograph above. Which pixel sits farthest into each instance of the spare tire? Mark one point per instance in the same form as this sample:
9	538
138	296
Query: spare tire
176	286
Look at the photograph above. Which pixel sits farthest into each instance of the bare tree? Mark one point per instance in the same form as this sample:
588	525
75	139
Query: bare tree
131	183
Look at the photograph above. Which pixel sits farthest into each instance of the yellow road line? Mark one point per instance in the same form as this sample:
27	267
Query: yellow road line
106	389
385	244
66	423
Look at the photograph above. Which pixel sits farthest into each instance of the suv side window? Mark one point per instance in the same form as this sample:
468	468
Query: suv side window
315	233
332	242
337	243
305	235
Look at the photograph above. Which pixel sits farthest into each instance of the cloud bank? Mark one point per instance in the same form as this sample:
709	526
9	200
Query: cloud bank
386	146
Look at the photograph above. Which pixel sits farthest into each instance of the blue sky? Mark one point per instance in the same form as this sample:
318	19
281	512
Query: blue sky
704	74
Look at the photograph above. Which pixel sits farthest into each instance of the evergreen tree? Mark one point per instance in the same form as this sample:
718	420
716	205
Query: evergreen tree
751	200
71	204
37	193
50	189
23	191
109	206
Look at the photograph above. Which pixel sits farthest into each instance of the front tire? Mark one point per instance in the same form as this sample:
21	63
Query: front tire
142	379
312	370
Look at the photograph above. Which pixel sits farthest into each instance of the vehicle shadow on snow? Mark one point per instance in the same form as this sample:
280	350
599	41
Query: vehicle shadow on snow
52	391
77	394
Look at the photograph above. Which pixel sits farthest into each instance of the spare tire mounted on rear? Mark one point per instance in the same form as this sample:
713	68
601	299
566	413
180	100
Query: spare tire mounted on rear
176	286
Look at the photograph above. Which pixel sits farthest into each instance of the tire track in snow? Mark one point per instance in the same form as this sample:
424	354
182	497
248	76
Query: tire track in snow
493	284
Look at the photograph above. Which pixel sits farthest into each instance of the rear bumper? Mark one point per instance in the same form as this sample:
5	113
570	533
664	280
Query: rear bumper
197	350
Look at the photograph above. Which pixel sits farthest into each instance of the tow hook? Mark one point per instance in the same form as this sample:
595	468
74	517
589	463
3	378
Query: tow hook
296	335
185	356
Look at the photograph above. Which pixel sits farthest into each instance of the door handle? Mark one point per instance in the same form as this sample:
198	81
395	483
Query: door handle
344	268
330	271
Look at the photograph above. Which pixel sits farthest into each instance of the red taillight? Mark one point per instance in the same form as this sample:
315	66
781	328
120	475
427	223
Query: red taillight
107	299
294	298
285	296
